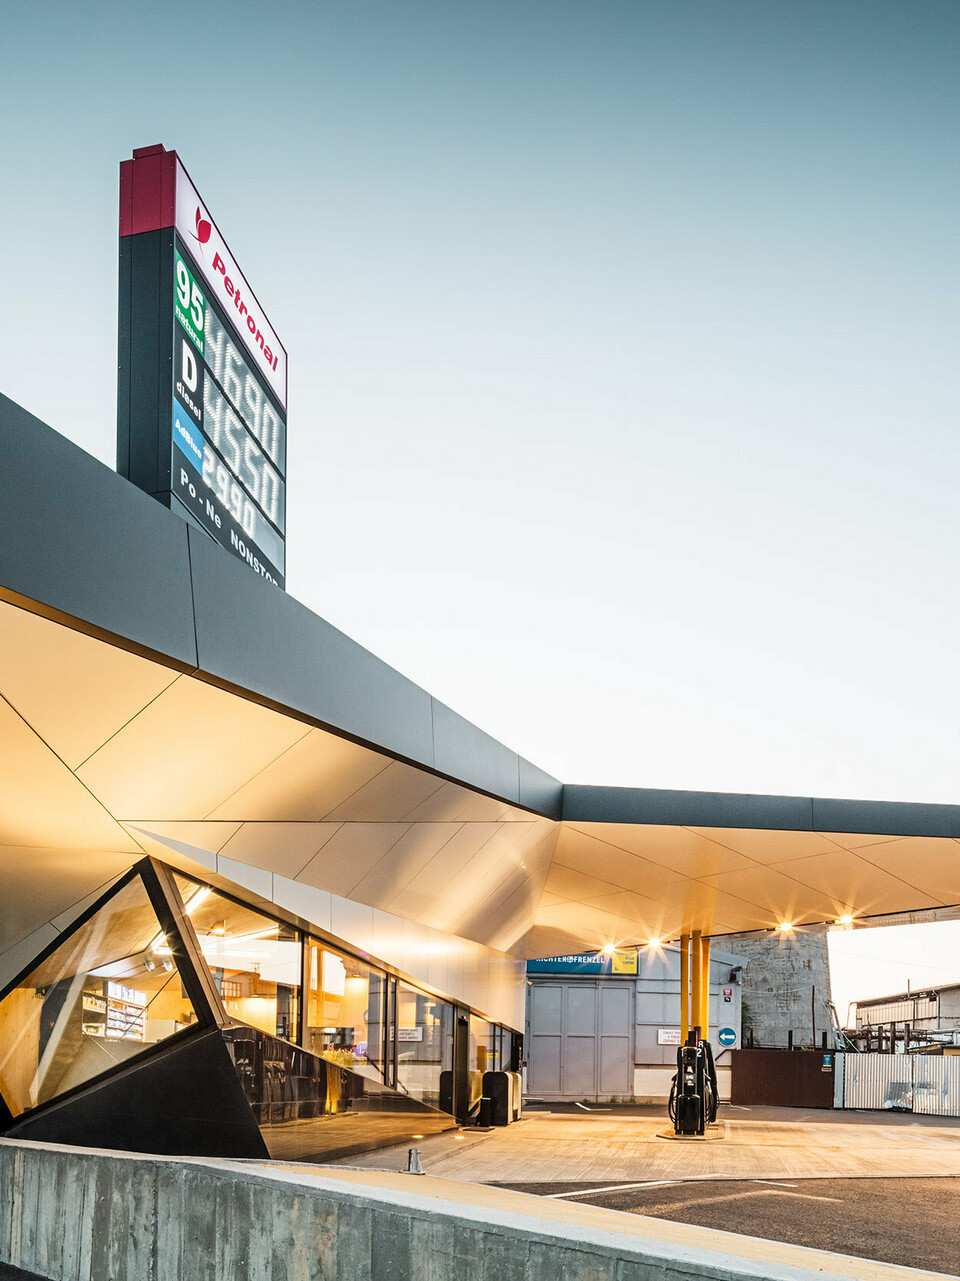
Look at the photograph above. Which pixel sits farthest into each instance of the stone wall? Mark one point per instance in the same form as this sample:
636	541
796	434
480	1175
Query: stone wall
785	977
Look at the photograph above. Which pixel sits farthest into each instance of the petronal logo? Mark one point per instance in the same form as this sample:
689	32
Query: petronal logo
225	284
203	228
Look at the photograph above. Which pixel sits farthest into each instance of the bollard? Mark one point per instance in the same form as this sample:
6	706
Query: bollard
413	1162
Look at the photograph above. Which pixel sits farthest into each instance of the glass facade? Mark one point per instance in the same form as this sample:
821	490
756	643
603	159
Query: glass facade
254	960
424	1045
346	1010
480	1055
481	1044
128	977
105	995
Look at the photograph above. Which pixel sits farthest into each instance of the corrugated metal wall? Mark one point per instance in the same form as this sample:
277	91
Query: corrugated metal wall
920	1083
936	1085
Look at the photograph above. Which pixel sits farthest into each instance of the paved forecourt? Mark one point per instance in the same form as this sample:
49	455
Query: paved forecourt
622	1146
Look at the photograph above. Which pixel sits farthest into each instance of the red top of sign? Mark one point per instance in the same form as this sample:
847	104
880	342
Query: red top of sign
148	191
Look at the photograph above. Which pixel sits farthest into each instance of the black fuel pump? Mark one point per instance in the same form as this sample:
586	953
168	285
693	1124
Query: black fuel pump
693	1094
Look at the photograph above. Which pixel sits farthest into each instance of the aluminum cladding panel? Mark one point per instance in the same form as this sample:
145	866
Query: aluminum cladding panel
81	540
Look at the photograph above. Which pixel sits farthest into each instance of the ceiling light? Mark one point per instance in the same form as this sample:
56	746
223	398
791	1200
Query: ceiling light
785	927
846	919
220	950
655	943
608	949
255	934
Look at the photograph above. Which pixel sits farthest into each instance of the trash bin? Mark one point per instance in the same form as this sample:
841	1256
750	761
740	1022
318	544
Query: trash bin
499	1088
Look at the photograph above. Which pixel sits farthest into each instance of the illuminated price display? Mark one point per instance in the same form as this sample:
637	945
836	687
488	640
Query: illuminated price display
234	443
245	391
228	432
202	386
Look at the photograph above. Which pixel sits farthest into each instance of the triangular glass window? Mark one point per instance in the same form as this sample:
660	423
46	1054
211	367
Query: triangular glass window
108	993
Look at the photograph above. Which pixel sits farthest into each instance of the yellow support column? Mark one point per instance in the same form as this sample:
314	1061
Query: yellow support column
696	964
705	989
684	988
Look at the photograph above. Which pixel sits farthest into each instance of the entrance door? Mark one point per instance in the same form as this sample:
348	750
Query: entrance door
580	1039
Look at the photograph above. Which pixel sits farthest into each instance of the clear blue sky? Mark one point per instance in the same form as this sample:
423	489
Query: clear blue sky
622	337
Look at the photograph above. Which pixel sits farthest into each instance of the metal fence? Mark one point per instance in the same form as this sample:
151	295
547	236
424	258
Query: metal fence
920	1083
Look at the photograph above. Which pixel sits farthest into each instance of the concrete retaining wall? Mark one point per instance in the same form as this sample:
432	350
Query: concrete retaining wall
75	1214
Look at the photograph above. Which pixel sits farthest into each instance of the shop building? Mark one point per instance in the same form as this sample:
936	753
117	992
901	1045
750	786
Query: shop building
170	1015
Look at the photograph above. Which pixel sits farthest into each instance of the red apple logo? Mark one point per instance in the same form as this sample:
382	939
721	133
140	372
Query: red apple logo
203	228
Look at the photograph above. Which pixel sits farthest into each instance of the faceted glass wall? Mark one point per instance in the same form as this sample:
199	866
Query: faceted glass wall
254	960
319	1051
481	1055
424	1043
110	991
346	1010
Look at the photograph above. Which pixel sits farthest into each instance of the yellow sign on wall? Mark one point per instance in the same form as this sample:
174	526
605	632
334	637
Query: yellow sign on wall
624	961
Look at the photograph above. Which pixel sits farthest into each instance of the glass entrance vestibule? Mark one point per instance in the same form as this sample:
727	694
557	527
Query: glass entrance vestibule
164	966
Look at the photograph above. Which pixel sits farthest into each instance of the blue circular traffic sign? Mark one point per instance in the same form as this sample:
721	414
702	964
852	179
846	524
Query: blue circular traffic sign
727	1036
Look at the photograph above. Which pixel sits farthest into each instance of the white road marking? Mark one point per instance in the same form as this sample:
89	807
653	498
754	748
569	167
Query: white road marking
618	1187
732	1196
667	1183
586	1109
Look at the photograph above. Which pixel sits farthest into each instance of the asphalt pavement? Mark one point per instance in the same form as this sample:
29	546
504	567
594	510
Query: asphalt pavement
909	1222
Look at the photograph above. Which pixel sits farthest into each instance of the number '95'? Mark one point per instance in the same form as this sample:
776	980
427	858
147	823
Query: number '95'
188	292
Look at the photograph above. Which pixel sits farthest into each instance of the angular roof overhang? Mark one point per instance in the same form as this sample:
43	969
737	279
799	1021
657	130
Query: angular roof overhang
157	696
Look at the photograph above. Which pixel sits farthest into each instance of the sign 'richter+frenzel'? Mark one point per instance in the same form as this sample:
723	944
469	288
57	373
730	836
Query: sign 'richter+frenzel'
202	403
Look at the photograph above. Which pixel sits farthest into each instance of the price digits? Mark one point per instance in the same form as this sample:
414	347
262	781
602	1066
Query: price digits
243	455
243	390
243	426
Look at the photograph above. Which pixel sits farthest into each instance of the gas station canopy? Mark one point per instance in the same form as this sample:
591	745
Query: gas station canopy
157	697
